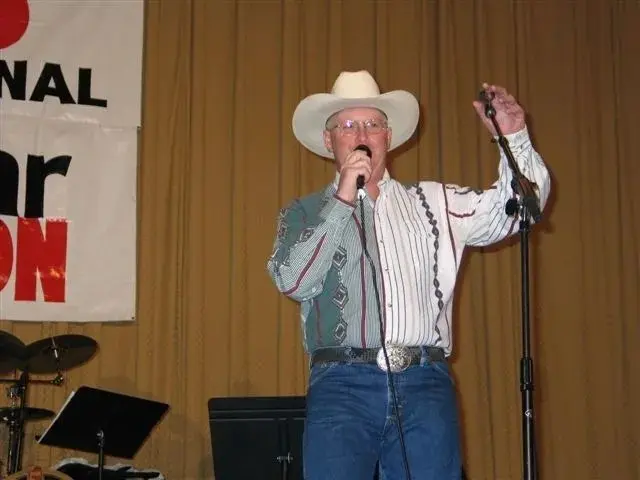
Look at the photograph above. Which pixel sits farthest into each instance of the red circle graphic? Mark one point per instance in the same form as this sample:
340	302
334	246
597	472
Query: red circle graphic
14	19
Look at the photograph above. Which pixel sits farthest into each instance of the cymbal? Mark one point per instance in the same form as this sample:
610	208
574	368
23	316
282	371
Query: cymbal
12	353
63	352
12	413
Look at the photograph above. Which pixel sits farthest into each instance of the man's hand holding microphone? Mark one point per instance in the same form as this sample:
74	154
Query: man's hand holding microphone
355	172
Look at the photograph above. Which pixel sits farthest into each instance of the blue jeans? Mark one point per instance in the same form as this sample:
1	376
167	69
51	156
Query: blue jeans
350	424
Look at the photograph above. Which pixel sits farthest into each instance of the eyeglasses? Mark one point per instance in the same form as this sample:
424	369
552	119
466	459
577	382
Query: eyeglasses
351	127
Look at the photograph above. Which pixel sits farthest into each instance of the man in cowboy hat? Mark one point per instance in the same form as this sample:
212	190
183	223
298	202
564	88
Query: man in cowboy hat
374	269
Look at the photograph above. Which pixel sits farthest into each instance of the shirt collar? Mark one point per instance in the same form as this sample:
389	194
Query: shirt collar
385	179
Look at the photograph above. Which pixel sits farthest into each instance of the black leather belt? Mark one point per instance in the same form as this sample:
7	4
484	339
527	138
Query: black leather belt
400	357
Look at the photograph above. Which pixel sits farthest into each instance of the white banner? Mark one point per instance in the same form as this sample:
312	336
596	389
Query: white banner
70	103
75	60
67	221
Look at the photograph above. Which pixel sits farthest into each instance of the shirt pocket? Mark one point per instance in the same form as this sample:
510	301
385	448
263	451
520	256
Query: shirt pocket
417	225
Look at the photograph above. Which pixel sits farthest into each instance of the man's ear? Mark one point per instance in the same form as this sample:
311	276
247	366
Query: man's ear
326	135
389	135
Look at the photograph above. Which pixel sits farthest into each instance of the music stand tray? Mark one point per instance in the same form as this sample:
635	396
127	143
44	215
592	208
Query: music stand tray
103	422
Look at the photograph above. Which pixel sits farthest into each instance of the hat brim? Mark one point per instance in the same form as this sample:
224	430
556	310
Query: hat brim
309	119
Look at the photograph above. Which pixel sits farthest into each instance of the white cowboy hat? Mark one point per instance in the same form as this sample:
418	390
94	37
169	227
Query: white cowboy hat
354	89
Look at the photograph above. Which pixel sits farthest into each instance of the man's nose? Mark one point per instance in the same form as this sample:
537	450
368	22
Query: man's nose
362	133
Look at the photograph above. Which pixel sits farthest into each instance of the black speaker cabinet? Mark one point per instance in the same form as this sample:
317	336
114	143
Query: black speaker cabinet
257	437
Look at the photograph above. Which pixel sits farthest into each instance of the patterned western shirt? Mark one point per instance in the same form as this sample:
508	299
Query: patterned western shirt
415	236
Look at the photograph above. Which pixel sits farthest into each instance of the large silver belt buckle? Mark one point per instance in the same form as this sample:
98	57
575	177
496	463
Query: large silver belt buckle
399	358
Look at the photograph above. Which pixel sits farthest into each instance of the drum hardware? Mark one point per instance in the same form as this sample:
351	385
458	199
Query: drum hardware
16	415
38	473
51	355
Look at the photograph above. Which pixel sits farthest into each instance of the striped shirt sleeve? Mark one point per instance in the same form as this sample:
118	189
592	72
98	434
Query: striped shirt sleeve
478	218
306	240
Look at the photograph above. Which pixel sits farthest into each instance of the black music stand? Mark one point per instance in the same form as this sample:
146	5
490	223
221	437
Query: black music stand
103	422
257	437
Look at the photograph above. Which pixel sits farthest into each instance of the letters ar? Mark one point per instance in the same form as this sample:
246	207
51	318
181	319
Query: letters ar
37	172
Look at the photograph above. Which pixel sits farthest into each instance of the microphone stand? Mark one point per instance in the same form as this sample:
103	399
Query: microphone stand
527	205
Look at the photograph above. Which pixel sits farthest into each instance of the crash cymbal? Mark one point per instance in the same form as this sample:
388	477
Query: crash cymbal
30	414
12	353
63	352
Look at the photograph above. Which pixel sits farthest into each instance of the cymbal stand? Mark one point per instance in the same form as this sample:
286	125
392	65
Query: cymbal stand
16	424
56	355
18	394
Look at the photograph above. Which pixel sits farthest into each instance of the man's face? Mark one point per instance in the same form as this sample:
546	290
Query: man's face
358	126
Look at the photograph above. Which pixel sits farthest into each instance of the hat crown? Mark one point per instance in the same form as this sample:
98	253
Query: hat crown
355	85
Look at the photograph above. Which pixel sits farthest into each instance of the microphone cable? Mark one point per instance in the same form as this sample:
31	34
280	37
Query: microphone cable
390	379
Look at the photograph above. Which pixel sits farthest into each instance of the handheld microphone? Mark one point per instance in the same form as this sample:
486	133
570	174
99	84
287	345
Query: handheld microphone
360	180
486	98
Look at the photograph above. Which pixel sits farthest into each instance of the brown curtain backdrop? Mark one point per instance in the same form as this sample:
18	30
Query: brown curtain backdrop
218	160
